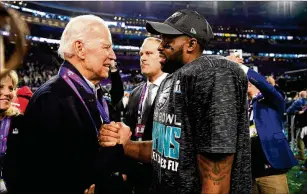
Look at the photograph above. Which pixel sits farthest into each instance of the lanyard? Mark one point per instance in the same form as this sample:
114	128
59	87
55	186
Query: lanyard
141	101
4	130
250	106
68	75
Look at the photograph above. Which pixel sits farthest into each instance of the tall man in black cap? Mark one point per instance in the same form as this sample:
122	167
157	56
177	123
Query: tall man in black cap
200	130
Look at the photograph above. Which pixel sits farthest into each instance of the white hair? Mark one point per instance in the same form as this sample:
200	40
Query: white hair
77	29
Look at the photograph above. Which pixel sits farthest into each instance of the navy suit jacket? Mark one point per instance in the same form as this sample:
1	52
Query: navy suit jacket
297	105
268	109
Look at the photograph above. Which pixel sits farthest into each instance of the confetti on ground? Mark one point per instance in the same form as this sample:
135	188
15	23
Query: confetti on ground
297	180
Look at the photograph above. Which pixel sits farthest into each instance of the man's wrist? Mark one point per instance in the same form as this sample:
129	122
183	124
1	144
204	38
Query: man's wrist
126	145
114	68
244	68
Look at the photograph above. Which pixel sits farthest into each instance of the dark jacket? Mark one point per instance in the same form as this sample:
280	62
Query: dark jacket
139	175
60	151
297	106
132	113
10	158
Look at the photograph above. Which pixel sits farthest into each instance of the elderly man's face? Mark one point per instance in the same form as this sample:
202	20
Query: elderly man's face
99	54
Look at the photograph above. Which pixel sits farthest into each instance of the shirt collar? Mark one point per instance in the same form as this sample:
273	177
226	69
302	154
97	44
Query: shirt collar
159	80
90	83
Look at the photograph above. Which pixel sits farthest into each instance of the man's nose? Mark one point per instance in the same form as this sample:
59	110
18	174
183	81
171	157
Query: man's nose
112	55
143	58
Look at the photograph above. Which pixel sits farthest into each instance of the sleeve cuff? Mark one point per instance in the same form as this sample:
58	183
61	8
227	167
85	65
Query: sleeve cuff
218	150
244	68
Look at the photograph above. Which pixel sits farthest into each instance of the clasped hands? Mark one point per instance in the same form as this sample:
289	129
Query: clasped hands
114	133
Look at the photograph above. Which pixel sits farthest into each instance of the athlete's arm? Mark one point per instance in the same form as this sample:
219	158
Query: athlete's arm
215	172
141	151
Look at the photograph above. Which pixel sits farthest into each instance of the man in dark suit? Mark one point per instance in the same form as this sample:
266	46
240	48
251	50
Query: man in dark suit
60	151
298	108
139	114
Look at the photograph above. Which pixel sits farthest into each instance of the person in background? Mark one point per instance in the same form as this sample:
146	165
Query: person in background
270	79
139	111
302	136
11	123
22	98
271	153
298	108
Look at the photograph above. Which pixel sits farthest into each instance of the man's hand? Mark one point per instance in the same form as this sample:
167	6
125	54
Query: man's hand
271	80
114	133
108	135
91	190
113	67
235	59
301	112
124	133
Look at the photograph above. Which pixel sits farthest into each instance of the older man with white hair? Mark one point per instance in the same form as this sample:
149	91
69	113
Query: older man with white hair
60	151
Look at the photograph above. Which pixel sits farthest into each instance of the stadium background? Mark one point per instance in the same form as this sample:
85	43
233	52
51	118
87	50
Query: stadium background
272	35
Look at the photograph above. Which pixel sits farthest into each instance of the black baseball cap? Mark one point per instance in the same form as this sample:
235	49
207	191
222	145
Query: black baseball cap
186	22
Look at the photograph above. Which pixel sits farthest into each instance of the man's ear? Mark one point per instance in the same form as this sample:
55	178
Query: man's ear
79	49
192	44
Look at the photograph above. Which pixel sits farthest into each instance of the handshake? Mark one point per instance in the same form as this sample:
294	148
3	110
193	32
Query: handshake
114	133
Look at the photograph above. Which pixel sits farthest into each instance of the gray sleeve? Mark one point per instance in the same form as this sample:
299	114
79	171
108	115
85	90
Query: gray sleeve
216	105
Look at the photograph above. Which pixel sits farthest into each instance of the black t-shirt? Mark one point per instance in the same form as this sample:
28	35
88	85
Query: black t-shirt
201	108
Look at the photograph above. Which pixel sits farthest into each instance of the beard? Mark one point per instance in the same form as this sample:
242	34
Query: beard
173	63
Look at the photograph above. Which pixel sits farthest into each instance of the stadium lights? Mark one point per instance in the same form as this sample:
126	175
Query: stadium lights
131	21
55	41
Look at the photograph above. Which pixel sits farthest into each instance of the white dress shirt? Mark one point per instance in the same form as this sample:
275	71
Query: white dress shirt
154	91
94	89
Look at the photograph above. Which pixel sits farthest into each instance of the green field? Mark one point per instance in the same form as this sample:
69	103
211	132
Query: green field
297	184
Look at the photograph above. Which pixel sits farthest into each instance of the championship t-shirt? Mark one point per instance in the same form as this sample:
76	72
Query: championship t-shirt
201	108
